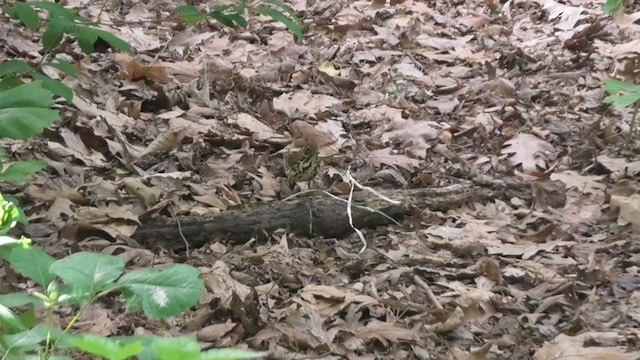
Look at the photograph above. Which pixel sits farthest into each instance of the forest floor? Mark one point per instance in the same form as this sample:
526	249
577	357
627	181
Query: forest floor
404	95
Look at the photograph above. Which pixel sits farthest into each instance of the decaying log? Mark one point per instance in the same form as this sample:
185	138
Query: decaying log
323	215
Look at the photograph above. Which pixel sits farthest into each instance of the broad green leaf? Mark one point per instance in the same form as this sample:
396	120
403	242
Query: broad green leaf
33	263
222	19
27	15
9	321
55	31
611	6
84	20
162	293
104	347
176	348
30	339
10	82
18	299
287	10
55	86
87	37
622	100
12	67
20	171
62	65
114	41
28	95
292	25
88	272
54	9
10	11
190	14
622	94
238	19
228	354
28	317
25	111
615	86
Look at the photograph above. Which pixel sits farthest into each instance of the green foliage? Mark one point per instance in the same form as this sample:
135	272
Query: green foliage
62	21
233	16
622	94
80	279
9	215
611	6
25	110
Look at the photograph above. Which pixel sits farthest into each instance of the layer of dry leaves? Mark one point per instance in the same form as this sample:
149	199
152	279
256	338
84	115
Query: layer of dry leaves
403	94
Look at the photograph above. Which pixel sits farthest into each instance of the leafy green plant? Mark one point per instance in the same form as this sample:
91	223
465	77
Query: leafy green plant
611	6
78	280
25	110
233	15
622	94
25	107
60	22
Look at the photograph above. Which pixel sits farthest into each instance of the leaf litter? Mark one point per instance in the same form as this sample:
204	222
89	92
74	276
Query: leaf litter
404	94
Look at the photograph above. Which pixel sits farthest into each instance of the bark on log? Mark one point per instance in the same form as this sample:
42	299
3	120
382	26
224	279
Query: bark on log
324	216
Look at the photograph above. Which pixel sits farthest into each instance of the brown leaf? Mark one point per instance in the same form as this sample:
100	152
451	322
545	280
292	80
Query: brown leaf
529	151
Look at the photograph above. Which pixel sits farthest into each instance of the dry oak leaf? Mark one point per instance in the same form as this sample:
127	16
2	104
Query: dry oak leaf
584	184
384	156
413	134
304	104
529	151
384	332
629	209
573	347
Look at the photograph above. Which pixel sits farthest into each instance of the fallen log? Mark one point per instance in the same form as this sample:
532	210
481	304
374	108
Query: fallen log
322	216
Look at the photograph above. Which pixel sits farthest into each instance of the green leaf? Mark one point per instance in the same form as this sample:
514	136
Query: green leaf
11	12
87	37
58	89
190	14
615	86
611	6
54	9
25	111
87	272
54	33
176	348
238	19
10	82
292	25
222	19
55	86
33	263
20	171
622	94
9	321
9	215
227	354
162	293
104	347
13	67
30	339
18	299
62	65
27	15
287	10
